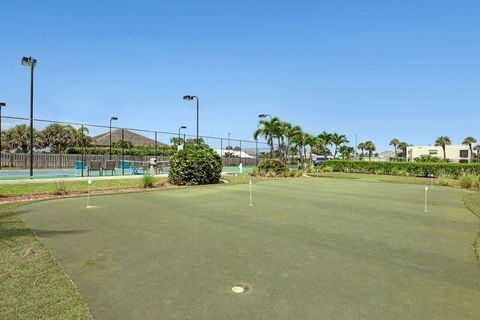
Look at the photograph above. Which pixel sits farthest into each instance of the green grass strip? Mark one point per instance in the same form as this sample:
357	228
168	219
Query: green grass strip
32	283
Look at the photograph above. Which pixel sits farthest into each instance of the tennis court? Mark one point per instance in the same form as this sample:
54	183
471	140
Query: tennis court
308	248
15	174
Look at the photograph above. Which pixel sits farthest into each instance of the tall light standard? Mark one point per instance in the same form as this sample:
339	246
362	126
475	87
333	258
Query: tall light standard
182	127
229	139
190	98
31	63
110	151
265	115
2	104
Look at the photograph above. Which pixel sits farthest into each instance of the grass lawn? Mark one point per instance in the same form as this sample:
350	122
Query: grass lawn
32	283
383	178
21	189
308	249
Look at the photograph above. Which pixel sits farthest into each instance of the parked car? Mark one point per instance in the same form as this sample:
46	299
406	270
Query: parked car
320	160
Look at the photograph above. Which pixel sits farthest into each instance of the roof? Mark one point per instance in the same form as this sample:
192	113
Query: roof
234	153
103	140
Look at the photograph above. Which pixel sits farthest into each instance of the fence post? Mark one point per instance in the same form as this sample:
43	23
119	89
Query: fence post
83	149
123	152
221	149
156	152
240	151
256	153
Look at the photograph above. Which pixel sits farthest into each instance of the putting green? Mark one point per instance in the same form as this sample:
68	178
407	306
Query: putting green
307	249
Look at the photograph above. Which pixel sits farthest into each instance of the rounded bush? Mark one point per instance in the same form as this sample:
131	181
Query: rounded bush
195	165
273	166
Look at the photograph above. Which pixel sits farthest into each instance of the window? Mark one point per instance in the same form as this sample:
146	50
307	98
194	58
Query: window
432	151
463	153
463	161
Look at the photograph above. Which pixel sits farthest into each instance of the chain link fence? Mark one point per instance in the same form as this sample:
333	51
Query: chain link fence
76	149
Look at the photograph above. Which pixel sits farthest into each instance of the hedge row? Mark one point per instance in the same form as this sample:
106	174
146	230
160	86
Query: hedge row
418	169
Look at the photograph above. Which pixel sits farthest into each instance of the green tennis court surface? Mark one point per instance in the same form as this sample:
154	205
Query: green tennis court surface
307	249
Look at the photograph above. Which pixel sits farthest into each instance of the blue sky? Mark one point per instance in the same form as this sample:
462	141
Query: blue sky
378	69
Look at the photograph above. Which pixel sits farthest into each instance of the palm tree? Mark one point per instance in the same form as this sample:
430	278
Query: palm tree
361	146
289	132
311	141
18	138
443	141
337	140
346	152
395	142
82	132
267	130
58	137
370	147
325	139
477	147
301	140
403	146
469	141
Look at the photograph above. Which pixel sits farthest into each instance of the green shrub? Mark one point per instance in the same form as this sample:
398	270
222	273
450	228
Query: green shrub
148	181
254	172
292	173
273	166
417	169
195	165
327	169
443	180
468	181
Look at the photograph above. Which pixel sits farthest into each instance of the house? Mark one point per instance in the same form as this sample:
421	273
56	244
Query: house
103	140
454	153
386	156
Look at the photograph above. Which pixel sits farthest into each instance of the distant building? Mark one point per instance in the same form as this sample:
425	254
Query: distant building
103	140
454	153
386	156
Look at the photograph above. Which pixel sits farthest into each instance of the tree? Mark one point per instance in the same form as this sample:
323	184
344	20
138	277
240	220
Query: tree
18	138
395	142
176	141
310	141
191	142
82	137
443	141
337	140
477	147
469	141
122	144
58	137
325	139
403	146
237	148
370	147
270	130
290	132
361	146
346	152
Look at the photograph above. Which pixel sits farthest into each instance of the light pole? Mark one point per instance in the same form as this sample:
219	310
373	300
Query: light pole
182	127
229	139
2	104
190	98
110	149
31	63
264	115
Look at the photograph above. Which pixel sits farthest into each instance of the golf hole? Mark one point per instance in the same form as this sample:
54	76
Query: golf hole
240	288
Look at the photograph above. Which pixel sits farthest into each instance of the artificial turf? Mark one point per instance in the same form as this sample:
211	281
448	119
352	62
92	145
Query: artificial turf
307	249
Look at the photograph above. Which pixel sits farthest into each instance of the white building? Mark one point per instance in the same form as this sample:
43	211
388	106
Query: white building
454	153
